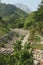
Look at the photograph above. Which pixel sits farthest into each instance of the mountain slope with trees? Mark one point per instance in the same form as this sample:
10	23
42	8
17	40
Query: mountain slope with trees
35	20
16	18
11	17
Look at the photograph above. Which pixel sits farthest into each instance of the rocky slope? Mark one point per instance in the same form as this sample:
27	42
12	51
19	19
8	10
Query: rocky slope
23	7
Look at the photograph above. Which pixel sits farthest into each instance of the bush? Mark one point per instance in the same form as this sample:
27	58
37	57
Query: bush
22	55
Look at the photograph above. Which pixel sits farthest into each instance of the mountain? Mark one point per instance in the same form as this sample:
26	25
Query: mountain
23	7
13	16
9	9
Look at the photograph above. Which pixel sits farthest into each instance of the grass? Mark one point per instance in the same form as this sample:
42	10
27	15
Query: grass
3	31
37	46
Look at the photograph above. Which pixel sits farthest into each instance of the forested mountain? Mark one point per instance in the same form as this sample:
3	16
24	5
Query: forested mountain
12	15
16	18
9	9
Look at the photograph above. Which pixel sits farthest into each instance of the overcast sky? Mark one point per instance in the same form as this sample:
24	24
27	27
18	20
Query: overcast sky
32	4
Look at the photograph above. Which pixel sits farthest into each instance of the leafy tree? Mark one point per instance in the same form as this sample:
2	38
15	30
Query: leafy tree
29	21
0	18
39	13
39	17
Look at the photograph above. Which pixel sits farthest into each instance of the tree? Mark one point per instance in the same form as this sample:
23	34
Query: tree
39	17
0	18
39	12
29	21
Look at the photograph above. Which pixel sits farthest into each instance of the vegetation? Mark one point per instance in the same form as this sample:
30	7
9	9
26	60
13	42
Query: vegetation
12	17
3	27
8	37
39	18
34	22
22	55
16	18
29	21
37	46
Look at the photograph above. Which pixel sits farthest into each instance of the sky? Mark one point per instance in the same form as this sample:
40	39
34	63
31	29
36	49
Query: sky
32	4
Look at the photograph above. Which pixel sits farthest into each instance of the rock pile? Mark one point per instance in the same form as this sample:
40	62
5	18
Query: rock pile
38	56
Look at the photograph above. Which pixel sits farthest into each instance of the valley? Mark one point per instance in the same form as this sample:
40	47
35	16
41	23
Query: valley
21	35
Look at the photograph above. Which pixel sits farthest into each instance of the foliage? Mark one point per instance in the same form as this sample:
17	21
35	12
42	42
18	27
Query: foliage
37	46
22	55
39	17
3	27
29	21
12	16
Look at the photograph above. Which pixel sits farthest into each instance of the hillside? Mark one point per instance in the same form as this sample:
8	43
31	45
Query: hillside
9	9
12	17
23	7
11	12
21	35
